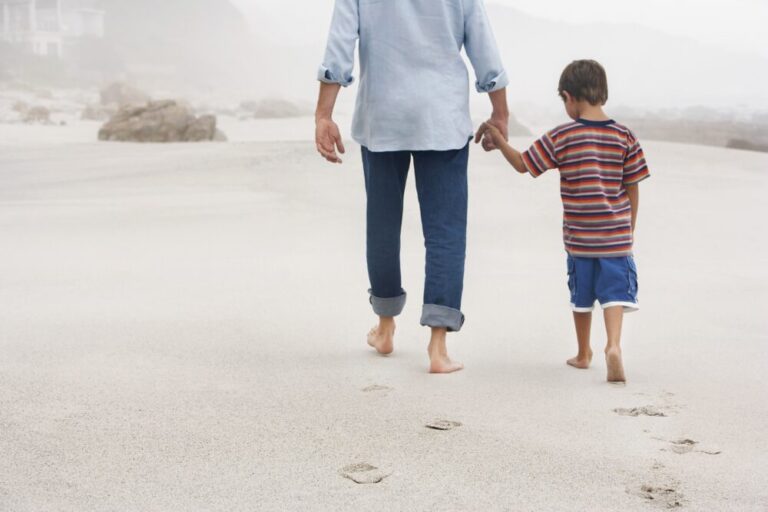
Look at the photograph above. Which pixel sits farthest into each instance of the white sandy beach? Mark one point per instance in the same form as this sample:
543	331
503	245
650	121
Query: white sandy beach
182	328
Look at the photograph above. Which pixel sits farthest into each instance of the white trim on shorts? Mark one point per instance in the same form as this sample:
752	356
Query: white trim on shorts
577	309
629	307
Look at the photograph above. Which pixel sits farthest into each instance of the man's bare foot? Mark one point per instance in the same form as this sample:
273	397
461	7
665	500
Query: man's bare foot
382	340
439	362
581	362
615	365
444	364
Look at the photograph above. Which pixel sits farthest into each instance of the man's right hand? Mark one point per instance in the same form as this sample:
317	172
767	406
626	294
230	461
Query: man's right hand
328	139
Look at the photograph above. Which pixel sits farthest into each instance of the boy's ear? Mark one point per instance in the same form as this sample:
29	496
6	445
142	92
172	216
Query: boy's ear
567	98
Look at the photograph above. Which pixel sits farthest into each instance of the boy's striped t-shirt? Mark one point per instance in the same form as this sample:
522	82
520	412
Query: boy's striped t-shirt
597	161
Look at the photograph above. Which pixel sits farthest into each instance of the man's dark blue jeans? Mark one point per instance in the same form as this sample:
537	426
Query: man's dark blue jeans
441	183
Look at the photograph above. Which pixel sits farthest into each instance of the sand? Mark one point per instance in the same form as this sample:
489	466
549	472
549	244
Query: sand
182	328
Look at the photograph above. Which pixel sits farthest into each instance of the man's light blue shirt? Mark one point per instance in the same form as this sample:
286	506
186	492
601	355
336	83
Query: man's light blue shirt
414	85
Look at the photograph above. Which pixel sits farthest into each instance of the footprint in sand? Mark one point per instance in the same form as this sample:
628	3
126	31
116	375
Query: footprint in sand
662	493
683	446
363	473
442	425
648	410
376	387
664	496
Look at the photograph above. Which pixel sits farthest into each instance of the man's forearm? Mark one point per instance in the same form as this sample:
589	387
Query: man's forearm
499	104
633	192
326	100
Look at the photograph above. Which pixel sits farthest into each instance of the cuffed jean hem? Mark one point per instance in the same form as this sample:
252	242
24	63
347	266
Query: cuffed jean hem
433	315
391	306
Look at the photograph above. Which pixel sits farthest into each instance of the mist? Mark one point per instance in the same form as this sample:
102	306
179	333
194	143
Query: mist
221	55
655	55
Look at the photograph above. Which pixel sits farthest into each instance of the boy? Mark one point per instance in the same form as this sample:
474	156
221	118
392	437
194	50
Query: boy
601	163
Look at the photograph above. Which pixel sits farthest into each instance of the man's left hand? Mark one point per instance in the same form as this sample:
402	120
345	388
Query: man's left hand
502	124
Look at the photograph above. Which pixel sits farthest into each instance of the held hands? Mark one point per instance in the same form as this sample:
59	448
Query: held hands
491	135
328	139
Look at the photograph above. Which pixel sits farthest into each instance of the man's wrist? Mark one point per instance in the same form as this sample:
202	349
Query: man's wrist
500	115
323	116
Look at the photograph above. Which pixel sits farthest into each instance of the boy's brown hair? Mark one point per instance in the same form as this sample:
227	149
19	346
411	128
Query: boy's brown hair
585	80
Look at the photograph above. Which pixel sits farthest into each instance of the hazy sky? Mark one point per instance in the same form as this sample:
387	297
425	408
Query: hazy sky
719	45
736	24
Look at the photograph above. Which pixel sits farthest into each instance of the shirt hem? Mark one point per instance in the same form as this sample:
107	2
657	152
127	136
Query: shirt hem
597	254
387	148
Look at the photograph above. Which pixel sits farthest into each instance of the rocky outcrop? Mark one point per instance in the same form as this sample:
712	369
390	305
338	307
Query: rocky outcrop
37	115
21	107
159	121
201	129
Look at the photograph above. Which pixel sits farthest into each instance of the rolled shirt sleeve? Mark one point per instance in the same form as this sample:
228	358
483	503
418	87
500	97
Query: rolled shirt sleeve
339	61
481	48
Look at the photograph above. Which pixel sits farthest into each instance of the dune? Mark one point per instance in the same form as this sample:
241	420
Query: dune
183	328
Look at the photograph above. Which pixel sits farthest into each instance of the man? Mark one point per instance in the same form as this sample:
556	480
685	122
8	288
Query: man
412	104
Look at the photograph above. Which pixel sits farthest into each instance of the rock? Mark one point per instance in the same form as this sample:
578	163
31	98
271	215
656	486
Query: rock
748	145
158	121
201	129
220	136
21	107
122	94
38	115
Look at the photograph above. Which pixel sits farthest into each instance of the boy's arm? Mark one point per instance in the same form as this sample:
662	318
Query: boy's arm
633	192
513	156
635	171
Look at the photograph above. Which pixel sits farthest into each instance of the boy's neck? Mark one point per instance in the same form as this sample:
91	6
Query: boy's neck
590	112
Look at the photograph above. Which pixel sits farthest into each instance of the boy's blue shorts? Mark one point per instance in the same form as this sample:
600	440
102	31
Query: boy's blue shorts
610	281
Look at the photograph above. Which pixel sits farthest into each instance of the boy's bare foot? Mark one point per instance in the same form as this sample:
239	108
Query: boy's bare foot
439	362
382	339
615	365
581	362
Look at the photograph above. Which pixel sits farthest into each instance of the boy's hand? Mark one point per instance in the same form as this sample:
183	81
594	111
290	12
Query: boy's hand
328	139
491	136
501	125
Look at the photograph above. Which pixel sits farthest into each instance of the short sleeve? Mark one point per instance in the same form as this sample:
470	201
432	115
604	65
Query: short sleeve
635	166
541	156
